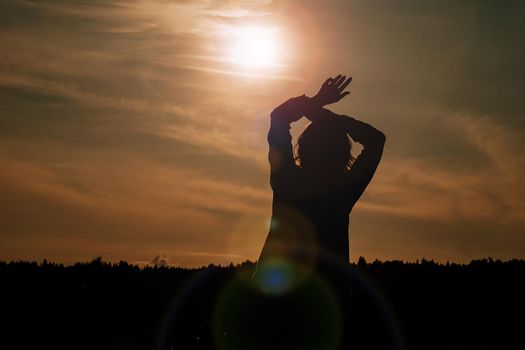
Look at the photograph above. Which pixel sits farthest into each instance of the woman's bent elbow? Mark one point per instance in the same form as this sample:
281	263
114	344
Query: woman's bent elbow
380	137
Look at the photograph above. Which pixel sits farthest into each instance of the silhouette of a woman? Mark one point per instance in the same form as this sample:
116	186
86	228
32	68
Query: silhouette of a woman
314	190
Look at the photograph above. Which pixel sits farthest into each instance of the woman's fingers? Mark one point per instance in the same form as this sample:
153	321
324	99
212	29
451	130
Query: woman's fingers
332	89
334	81
339	81
344	94
345	84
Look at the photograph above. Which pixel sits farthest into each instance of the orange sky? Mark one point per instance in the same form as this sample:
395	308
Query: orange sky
131	128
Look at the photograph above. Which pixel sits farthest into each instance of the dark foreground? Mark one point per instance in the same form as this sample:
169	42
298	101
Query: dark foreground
393	305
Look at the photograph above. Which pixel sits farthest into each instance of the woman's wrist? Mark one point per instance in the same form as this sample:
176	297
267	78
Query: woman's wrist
315	103
315	110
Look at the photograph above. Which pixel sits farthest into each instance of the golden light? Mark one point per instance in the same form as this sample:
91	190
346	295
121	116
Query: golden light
255	47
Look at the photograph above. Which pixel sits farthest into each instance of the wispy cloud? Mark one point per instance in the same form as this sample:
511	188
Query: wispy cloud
432	189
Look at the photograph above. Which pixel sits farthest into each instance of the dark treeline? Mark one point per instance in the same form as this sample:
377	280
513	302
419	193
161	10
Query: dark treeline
99	305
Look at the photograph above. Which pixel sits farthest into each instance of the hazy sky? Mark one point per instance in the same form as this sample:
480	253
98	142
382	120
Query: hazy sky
130	128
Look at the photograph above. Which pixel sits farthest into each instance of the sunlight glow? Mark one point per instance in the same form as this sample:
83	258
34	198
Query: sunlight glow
255	47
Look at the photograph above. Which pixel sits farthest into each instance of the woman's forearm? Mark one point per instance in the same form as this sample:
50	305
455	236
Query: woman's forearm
363	133
359	131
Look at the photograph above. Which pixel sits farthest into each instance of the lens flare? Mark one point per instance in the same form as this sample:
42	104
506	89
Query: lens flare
305	317
276	276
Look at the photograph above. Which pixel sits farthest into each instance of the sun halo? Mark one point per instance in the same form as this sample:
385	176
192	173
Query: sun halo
255	47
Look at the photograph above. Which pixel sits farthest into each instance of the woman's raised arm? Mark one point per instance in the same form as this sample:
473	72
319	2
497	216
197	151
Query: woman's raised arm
373	142
280	155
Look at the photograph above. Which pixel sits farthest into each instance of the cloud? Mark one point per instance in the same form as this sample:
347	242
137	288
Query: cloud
150	72
436	190
120	206
131	186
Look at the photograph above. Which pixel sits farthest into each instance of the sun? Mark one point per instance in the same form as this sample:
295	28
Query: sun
255	47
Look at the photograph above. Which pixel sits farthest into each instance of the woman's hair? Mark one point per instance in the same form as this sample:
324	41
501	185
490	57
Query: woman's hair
324	143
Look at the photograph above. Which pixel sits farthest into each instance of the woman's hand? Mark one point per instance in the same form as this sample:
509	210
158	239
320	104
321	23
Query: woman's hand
332	91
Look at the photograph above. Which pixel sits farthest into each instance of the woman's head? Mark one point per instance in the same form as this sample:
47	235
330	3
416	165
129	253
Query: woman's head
324	147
